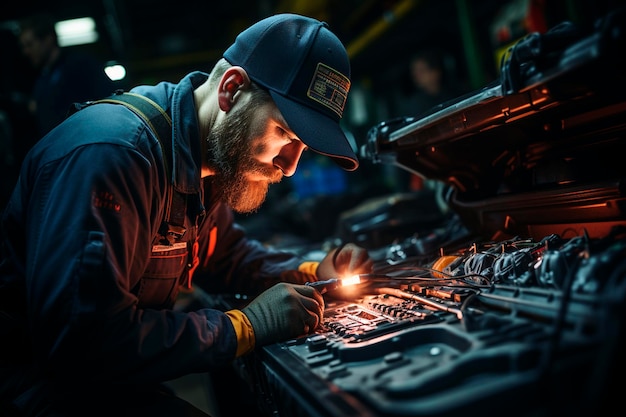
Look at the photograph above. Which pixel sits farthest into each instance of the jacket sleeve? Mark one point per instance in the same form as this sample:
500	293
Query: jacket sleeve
92	212
232	263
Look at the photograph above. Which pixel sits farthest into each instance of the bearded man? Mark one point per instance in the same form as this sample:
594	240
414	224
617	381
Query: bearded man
93	261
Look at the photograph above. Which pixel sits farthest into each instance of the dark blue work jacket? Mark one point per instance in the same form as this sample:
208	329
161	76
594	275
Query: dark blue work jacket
93	288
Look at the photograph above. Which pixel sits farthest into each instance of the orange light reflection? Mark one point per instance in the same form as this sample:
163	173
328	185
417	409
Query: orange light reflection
355	279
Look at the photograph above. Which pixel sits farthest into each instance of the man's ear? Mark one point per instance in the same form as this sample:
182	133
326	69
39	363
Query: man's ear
234	80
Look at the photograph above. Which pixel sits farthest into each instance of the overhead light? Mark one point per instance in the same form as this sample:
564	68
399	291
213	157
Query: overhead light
115	71
76	31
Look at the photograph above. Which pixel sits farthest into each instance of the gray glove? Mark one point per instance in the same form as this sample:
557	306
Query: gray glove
284	311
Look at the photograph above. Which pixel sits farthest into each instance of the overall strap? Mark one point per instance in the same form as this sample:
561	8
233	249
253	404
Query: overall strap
172	228
156	118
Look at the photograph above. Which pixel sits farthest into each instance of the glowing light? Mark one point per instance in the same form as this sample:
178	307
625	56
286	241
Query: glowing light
76	31
355	279
115	72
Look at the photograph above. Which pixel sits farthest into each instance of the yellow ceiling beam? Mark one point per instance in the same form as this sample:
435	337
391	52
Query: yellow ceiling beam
316	9
379	27
321	10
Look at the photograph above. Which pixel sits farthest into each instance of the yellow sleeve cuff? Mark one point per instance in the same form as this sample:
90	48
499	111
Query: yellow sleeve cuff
309	267
243	330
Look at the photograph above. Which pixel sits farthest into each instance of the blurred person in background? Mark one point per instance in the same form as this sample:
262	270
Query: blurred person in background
64	76
432	83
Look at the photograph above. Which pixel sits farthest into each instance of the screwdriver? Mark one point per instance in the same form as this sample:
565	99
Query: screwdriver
334	283
326	285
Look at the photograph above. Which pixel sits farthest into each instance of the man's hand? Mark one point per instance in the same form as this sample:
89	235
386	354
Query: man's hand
345	261
283	312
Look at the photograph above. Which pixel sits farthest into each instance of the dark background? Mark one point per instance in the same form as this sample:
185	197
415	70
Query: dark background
158	40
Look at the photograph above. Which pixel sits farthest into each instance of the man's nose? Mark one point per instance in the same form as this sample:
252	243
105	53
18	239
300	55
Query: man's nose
289	156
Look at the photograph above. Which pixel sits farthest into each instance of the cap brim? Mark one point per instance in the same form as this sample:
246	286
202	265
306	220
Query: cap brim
319	132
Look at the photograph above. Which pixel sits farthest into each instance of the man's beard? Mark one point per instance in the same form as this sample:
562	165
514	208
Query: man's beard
229	153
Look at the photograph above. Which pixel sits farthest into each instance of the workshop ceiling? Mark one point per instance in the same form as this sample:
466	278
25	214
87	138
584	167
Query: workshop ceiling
159	40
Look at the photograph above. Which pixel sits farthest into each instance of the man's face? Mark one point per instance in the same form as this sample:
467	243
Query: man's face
35	49
425	76
249	149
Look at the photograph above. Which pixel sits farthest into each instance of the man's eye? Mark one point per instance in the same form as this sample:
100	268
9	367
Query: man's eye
285	135
282	132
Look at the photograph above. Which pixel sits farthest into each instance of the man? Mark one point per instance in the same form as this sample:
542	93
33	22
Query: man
89	279
431	83
64	76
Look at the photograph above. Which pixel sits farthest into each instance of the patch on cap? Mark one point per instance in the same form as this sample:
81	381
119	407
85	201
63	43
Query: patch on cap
329	88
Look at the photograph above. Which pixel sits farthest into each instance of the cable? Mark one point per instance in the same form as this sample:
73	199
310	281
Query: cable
409	296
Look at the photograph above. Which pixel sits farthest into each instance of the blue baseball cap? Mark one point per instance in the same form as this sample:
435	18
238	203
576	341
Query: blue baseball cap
306	70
